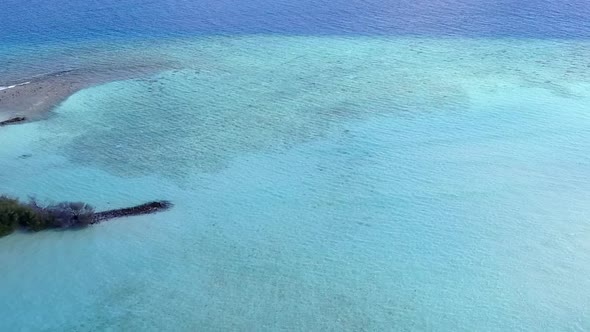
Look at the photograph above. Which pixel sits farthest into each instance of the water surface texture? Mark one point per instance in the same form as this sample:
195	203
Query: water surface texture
335	166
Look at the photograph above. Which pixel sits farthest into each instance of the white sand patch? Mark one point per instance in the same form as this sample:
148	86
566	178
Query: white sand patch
12	86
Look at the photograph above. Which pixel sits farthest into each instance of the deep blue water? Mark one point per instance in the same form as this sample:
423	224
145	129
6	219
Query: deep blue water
39	20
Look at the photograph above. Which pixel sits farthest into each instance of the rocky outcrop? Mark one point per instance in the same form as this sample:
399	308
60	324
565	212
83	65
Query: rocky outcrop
147	208
12	121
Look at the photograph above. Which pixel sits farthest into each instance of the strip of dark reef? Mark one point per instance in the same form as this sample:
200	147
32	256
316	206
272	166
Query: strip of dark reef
147	208
12	121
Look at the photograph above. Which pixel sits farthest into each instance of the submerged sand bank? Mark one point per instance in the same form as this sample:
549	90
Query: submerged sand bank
33	96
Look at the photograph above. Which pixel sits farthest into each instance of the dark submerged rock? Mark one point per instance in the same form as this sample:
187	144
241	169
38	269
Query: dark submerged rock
147	208
13	121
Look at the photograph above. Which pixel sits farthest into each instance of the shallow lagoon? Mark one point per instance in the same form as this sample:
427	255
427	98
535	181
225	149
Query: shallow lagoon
320	183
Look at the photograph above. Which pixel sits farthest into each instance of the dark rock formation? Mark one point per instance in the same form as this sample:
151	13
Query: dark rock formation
13	121
147	208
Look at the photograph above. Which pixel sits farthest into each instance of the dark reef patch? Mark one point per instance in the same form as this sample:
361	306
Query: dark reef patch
147	208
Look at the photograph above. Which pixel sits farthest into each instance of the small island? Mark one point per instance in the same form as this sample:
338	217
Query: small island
34	217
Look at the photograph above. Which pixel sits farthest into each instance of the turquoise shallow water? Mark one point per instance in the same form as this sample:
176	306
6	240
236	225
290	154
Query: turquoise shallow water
320	183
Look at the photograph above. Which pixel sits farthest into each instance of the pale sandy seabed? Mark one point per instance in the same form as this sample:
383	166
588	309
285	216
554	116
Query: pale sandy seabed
32	97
